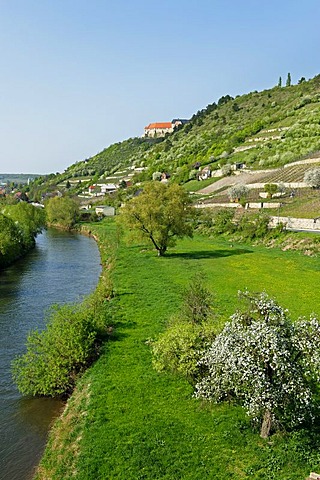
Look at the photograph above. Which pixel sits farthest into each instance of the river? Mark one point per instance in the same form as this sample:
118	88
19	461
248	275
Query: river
61	269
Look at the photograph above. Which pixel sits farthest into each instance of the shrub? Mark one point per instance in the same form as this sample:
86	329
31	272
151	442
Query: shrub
179	348
56	356
224	221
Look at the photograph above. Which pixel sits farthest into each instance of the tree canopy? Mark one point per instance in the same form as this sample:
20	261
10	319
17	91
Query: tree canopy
160	213
312	177
267	363
19	225
63	211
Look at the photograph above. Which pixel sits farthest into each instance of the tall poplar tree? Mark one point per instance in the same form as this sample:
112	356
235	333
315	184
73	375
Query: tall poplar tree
288	83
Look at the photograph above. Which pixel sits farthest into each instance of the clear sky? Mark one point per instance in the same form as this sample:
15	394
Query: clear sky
79	75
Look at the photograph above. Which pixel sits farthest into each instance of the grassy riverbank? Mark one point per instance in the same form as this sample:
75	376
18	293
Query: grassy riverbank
125	421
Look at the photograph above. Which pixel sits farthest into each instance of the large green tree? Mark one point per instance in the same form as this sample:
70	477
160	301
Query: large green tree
62	211
29	219
10	240
161	213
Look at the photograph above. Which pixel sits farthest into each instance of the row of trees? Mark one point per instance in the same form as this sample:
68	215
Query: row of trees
21	222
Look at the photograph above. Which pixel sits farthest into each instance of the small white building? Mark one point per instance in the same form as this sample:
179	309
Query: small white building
105	210
107	188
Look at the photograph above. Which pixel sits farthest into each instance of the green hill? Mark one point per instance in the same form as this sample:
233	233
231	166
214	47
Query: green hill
261	129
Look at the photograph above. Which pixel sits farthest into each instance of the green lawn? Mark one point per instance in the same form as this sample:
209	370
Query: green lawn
196	185
125	421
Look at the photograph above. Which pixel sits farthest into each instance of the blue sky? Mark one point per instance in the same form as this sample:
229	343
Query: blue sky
77	76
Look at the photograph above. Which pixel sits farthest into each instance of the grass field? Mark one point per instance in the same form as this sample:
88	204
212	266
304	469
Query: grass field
126	422
195	185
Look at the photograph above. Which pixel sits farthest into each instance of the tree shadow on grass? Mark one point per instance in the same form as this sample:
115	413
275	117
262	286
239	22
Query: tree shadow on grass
210	253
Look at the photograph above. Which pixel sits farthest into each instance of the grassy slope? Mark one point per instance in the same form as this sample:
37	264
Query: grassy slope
128	422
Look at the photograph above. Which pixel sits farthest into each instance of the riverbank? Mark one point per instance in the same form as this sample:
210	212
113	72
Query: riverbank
125	421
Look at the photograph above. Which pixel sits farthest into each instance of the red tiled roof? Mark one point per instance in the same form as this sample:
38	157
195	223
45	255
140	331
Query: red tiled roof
159	125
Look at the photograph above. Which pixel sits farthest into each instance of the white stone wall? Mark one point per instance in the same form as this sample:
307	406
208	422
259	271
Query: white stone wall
296	223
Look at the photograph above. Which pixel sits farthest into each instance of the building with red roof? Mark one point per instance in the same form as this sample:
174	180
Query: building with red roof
160	129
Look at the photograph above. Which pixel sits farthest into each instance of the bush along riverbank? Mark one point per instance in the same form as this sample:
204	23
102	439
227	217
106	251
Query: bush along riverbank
19	226
71	341
127	421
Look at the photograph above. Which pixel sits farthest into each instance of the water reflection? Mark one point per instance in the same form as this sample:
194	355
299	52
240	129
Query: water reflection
62	268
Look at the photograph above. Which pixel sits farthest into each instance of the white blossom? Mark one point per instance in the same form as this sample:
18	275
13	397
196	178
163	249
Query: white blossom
265	362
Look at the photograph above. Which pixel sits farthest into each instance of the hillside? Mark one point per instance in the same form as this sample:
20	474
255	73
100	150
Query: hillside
261	129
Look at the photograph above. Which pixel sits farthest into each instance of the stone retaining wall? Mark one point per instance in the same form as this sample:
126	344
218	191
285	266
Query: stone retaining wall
296	223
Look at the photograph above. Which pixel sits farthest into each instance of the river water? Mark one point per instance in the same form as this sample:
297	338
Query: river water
61	269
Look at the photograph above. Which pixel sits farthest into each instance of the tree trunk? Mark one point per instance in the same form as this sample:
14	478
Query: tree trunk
266	424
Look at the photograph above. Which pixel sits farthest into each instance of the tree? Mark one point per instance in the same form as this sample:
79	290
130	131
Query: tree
280	82
302	80
63	211
237	192
312	177
30	220
161	213
288	82
226	170
270	189
197	300
156	176
266	363
10	240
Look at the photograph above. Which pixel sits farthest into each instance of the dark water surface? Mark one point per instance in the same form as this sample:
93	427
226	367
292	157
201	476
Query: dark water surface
61	269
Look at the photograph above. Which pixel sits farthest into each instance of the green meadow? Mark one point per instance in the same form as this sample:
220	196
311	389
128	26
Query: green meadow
125	421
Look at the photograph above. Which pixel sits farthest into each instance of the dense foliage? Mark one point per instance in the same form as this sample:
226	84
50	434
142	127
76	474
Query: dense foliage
245	226
160	213
19	225
62	211
178	349
267	363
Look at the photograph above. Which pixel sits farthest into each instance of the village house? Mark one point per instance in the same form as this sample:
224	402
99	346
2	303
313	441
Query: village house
101	189
105	210
205	173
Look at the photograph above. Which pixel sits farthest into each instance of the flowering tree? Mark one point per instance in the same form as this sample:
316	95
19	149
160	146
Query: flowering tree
265	362
237	192
312	177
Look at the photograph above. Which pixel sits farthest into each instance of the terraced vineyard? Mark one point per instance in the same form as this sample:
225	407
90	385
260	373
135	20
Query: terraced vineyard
290	174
